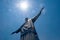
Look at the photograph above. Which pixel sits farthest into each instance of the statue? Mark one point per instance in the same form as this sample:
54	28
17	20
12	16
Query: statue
27	30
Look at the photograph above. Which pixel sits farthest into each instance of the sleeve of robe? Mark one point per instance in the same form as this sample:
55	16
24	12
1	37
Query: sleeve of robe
18	30
36	17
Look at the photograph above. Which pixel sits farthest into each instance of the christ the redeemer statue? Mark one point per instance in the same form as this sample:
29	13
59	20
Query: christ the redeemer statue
27	30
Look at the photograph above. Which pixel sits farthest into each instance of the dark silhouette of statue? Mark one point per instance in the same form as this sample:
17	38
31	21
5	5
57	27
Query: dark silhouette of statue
27	30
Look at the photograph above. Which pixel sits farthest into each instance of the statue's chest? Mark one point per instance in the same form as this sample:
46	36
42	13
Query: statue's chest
28	26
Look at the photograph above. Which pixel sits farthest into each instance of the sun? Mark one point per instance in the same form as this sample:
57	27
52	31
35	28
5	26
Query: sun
23	5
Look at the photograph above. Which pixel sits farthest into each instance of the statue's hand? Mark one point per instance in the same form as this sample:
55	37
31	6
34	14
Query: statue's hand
13	33
42	9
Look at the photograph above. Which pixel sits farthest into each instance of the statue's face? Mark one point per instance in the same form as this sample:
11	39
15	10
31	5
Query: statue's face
26	19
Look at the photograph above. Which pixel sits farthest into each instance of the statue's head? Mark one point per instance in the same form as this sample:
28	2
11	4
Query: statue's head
26	19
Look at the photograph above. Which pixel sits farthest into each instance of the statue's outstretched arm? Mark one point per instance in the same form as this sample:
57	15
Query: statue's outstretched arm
18	30
36	17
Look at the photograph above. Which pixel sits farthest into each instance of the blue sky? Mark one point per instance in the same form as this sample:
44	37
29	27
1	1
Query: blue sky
47	25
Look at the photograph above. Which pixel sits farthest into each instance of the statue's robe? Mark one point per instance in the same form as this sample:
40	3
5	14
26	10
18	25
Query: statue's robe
28	31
